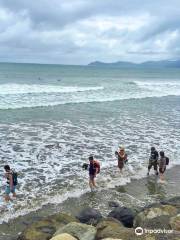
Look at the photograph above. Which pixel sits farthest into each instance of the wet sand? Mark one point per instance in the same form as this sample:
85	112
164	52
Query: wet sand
138	193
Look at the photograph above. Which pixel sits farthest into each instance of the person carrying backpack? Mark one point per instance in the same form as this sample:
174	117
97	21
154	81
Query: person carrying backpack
11	182
94	169
163	161
153	161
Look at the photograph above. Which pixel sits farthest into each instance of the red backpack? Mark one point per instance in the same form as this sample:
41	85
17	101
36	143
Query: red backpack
97	166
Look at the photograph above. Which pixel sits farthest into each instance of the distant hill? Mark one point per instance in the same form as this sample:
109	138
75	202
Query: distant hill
148	64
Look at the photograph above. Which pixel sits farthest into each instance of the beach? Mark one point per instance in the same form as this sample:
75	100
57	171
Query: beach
137	194
52	117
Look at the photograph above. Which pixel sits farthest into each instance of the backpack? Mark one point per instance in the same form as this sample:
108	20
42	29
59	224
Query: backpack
15	178
167	161
97	165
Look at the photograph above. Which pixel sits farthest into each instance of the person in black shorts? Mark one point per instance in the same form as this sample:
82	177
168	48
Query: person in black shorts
153	161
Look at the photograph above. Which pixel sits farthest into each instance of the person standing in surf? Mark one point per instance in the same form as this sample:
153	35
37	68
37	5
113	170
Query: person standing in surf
153	160
163	161
122	158
11	182
94	169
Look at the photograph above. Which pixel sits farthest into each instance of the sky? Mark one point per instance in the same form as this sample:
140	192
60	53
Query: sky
83	31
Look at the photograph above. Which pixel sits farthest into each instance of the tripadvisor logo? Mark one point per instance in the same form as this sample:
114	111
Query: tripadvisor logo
139	231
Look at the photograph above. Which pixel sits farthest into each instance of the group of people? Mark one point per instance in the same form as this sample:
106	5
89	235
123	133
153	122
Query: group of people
159	164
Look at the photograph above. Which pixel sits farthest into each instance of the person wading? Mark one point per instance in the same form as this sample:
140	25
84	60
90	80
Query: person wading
11	182
94	169
153	161
122	158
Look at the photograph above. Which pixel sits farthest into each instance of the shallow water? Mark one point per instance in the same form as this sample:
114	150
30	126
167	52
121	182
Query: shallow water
83	111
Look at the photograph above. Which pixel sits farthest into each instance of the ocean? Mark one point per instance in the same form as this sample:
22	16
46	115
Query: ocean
52	117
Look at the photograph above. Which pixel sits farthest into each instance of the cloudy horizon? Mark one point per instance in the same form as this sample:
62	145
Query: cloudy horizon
82	31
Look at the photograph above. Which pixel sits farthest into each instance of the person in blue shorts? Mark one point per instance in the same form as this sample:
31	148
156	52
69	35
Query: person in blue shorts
10	186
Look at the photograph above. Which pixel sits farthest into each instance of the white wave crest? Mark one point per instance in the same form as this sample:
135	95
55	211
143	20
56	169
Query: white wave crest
13	88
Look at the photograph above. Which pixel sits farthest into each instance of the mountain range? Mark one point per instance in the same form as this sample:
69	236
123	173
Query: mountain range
148	64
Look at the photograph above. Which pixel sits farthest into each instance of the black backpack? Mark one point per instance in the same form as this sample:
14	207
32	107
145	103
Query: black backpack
15	178
167	161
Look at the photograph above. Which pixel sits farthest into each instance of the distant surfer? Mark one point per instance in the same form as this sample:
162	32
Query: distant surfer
122	157
153	160
163	161
11	182
94	168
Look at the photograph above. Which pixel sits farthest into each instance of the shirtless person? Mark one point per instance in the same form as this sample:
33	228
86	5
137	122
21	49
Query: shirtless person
122	158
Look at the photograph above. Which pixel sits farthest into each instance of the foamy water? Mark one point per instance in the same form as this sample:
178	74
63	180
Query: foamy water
15	96
111	109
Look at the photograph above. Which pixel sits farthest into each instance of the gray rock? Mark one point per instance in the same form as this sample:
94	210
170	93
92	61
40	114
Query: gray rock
113	204
124	215
89	216
79	231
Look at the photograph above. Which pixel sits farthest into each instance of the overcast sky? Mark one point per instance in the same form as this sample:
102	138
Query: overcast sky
81	31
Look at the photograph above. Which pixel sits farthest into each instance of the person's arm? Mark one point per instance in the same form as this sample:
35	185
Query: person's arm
11	181
125	158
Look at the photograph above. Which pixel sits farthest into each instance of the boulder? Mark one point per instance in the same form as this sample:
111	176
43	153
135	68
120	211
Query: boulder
111	239
89	216
112	228
45	228
175	201
175	222
124	215
155	216
41	230
113	204
63	236
79	231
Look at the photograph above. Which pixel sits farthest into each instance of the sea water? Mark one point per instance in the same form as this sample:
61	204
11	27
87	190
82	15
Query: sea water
52	117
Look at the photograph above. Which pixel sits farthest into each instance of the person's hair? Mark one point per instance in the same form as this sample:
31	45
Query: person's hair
91	158
161	153
153	149
7	168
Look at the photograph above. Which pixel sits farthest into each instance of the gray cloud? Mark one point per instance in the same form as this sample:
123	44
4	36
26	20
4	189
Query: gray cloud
79	31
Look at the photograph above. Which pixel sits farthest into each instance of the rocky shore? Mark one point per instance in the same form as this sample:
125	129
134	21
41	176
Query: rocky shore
120	224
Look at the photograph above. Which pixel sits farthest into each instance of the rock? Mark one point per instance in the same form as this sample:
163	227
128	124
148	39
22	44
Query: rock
112	228
113	204
63	236
111	239
175	222
124	215
44	229
155	216
175	201
79	231
41	230
89	216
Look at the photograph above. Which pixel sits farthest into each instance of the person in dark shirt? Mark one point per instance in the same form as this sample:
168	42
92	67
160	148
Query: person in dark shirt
94	169
10	187
153	161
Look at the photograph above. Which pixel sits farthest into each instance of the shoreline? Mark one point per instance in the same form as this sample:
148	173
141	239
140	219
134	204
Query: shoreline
136	194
